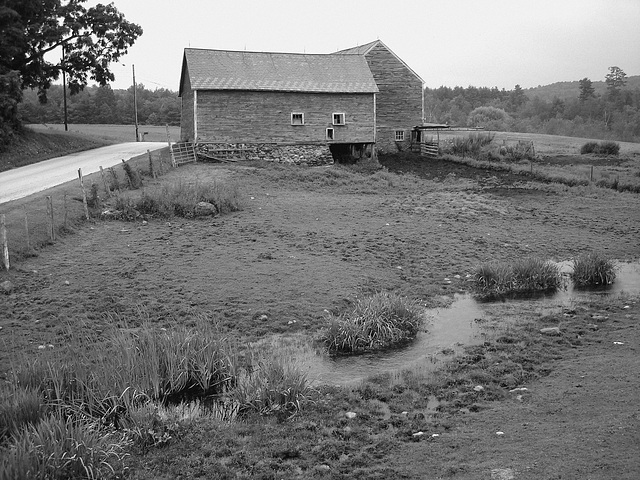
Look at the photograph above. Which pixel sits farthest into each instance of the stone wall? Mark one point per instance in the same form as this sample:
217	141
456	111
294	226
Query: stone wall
298	154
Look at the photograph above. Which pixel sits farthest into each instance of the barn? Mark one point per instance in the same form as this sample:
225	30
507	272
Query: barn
298	106
310	108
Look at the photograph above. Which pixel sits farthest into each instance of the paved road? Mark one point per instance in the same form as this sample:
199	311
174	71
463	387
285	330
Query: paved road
23	181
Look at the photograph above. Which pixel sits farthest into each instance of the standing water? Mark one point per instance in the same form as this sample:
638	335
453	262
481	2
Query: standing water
444	330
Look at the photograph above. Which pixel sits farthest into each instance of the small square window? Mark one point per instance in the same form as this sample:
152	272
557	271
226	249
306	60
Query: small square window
297	119
338	118
399	135
329	133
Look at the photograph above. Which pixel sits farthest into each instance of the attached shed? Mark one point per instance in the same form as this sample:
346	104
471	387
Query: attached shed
400	101
294	104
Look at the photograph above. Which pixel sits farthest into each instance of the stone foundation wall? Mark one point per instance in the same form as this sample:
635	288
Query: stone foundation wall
298	154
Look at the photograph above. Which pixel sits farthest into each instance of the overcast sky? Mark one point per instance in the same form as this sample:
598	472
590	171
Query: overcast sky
484	43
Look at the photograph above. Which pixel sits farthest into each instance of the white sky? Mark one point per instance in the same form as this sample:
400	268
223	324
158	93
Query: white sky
484	43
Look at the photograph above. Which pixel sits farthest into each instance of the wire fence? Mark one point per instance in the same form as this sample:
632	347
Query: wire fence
28	224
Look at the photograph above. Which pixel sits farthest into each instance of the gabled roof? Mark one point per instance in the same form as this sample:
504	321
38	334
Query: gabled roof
361	49
290	72
367	47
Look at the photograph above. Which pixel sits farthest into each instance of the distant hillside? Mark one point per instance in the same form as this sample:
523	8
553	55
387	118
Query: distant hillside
567	90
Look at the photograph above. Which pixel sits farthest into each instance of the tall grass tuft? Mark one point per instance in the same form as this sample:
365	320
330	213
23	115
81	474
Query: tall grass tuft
592	269
273	386
104	381
380	321
18	407
470	145
524	276
63	448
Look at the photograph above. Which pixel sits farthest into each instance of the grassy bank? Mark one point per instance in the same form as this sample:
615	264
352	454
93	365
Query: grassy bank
32	146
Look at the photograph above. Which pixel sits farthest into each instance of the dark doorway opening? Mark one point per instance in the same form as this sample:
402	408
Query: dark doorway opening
350	152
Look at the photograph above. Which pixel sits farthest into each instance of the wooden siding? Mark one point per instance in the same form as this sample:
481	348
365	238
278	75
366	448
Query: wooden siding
399	103
265	117
186	117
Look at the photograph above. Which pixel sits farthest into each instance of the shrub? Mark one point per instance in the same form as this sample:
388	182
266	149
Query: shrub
602	148
525	276
608	148
592	269
589	147
380	321
490	118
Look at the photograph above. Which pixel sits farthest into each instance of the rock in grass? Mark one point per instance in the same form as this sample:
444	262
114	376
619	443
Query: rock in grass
350	415
204	209
550	331
6	287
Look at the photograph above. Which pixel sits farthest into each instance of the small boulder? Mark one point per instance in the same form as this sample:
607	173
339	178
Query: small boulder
550	331
205	209
6	287
350	415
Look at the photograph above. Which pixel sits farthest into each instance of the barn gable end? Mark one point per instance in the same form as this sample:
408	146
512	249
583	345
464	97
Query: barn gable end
399	103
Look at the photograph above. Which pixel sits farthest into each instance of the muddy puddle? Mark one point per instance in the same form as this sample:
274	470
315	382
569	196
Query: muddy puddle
445	331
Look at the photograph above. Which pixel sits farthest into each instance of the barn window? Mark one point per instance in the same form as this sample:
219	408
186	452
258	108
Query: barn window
297	119
399	135
338	118
329	133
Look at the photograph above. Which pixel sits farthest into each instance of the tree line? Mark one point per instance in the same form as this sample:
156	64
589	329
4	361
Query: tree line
103	105
611	115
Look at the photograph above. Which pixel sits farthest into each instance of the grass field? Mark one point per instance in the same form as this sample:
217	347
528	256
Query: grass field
303	246
119	133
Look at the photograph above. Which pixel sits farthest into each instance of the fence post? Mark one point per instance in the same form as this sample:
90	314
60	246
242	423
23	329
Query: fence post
151	169
26	230
66	212
591	174
5	245
84	194
126	174
52	225
104	180
114	175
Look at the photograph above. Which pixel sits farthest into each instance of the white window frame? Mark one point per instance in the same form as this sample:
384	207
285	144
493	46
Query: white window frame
342	120
296	114
331	135
399	135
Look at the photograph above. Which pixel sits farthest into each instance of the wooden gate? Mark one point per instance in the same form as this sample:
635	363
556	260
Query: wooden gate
183	152
429	149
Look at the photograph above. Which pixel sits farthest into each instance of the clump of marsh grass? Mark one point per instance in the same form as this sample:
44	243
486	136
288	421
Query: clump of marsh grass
271	386
469	146
592	269
524	276
377	322
18	407
60	448
105	380
180	199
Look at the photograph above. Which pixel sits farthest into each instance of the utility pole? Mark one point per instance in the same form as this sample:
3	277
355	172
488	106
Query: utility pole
64	91
135	101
